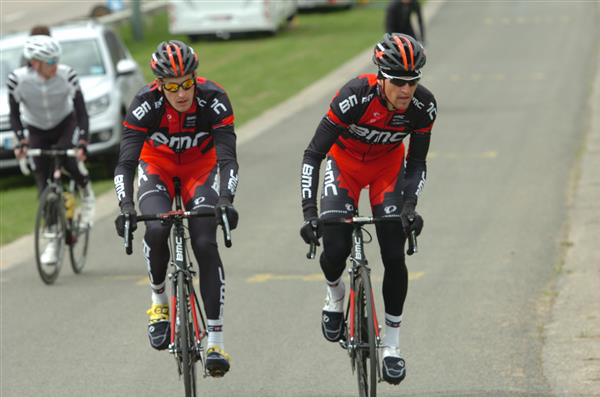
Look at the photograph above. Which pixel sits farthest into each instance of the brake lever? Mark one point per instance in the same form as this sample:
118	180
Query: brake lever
225	227
127	235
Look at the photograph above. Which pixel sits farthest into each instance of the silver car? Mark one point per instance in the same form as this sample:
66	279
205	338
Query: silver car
108	75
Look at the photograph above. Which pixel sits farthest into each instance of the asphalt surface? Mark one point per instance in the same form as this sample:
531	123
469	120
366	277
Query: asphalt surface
511	123
16	16
19	15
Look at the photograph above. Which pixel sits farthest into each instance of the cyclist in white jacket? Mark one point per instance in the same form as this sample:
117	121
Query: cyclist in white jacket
46	101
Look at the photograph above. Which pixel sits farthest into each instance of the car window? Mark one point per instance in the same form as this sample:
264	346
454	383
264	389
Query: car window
10	59
84	56
114	47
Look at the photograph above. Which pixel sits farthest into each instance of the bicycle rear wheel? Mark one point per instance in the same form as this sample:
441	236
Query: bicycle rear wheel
366	351
186	337
78	235
50	230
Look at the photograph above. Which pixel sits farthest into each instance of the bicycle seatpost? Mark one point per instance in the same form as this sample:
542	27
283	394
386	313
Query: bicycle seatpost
177	186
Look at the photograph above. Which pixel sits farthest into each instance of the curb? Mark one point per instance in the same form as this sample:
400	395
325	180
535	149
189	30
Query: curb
571	352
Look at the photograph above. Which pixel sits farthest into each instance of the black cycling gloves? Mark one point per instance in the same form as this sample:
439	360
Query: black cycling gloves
311	231
224	206
126	209
410	219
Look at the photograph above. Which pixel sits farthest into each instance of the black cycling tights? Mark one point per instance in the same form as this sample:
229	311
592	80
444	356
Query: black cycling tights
60	137
337	244
203	238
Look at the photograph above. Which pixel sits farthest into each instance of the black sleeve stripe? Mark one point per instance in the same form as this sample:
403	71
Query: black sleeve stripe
12	81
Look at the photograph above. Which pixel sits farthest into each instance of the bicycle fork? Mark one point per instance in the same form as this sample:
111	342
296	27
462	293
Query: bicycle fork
193	305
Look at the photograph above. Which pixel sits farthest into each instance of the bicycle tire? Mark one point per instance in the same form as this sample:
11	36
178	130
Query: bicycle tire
51	208
185	338
371	331
78	237
366	351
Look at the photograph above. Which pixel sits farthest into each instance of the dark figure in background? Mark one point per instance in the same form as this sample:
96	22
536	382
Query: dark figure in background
397	18
40	30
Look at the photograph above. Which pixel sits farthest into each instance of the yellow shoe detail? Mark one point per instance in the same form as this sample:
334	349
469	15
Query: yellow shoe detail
158	313
217	349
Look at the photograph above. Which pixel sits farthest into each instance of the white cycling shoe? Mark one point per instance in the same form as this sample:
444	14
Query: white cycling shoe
88	205
50	254
332	316
393	366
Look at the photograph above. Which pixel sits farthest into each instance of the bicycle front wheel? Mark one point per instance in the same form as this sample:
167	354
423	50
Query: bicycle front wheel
49	239
366	350
185	335
78	235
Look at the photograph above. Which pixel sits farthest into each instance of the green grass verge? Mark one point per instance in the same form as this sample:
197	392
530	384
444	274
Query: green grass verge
260	72
23	203
256	72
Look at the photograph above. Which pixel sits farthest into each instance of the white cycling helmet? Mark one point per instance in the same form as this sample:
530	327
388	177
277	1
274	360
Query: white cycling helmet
42	48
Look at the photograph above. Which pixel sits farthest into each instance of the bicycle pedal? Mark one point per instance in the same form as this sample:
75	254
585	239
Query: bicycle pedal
217	373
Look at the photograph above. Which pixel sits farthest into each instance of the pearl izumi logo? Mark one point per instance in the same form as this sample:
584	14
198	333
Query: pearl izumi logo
390	209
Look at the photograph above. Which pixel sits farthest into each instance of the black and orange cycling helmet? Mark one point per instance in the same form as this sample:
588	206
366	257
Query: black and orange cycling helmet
399	56
173	58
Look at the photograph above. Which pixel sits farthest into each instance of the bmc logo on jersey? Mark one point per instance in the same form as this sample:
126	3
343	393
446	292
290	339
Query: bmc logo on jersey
141	110
376	136
177	142
347	103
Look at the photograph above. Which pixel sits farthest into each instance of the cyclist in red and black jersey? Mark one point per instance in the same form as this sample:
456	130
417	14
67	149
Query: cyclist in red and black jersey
361	137
181	125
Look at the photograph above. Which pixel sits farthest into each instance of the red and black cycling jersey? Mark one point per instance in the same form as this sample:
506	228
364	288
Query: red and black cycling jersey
156	132
360	123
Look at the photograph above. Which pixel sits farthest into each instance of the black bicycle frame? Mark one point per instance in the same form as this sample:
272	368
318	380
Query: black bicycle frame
182	265
359	261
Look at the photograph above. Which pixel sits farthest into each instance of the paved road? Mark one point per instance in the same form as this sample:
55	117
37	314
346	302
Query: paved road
22	15
509	127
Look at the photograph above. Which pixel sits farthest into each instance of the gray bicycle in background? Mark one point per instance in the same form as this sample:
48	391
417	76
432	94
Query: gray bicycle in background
58	221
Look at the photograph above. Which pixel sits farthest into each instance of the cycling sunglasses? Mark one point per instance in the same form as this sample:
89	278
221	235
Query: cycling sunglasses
401	82
174	87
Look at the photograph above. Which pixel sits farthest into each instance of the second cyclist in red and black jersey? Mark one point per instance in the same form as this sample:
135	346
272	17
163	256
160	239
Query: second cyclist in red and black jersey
361	138
181	125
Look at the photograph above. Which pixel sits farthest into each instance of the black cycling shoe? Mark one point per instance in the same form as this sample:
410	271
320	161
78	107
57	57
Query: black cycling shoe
217	362
394	370
332	325
159	334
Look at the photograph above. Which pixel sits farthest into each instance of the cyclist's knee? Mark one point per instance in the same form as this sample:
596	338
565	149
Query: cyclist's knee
156	233
206	245
393	257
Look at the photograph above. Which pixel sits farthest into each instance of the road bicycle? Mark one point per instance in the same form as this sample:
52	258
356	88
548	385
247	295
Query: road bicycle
361	329
59	218
188	325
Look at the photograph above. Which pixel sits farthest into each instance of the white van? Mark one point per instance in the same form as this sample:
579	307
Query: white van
222	18
310	4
